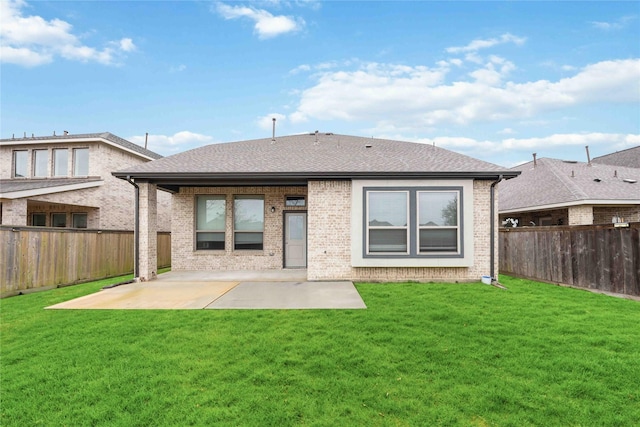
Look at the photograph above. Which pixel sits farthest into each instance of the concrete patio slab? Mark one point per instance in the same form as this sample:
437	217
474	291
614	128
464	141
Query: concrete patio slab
152	295
288	275
290	295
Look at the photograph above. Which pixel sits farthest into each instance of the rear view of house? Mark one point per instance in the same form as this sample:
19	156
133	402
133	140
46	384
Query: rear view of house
341	207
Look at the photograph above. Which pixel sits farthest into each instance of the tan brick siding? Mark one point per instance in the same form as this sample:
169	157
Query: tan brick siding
183	253
329	235
579	215
605	214
114	199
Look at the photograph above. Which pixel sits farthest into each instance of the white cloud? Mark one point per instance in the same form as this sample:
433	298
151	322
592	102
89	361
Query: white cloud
32	41
477	45
266	25
171	144
614	25
266	122
420	97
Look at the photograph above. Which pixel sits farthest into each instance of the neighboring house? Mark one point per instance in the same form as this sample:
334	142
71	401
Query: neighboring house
343	207
629	158
66	181
559	192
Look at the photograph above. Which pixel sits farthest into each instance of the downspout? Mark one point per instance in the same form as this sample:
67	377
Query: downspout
493	229
136	231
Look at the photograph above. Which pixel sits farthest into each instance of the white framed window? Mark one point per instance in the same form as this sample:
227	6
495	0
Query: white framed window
20	169
79	220
248	222
210	222
438	221
80	162
387	222
40	163
60	161
58	219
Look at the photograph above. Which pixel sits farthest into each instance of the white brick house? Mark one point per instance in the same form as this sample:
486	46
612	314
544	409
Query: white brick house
66	181
343	207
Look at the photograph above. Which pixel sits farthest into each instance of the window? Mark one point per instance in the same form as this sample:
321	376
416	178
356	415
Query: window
40	163
413	222
388	222
80	161
248	222
295	201
20	164
58	220
438	221
60	161
39	219
210	222
79	220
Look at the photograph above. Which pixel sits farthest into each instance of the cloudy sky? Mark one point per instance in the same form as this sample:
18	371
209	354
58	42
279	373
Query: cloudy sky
493	80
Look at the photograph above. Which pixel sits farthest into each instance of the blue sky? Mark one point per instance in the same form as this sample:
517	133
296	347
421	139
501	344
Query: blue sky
493	80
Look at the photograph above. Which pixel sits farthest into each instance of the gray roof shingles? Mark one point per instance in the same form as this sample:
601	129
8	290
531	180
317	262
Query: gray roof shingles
13	185
104	135
554	181
629	158
311	153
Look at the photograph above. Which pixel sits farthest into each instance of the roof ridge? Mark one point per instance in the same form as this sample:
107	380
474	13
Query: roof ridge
573	188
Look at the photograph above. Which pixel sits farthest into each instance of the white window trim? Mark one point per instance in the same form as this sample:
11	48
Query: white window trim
357	226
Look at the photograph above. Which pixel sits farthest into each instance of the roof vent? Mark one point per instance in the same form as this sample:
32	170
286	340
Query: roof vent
570	161
597	179
66	132
368	145
630	181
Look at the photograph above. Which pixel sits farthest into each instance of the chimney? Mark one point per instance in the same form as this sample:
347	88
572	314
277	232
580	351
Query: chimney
535	163
273	133
588	156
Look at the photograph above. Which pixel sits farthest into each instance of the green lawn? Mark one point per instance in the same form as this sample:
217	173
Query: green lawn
421	354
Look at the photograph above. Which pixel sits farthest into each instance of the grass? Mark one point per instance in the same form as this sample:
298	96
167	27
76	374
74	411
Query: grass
421	354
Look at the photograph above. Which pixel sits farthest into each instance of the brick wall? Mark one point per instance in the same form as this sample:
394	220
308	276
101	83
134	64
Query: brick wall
604	214
114	199
183	253
329	230
579	215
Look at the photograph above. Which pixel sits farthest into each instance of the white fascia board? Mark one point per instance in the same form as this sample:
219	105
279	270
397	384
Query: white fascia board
552	206
74	140
49	190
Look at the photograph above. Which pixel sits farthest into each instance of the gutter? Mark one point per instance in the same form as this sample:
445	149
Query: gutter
136	231
492	239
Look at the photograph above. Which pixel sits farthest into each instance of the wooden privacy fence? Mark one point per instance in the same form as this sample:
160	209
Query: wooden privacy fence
600	257
41	258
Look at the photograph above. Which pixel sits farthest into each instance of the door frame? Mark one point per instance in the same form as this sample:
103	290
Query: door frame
284	237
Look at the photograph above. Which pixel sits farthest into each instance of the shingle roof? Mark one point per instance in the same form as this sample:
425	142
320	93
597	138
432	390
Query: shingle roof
629	158
13	185
87	136
554	181
314	154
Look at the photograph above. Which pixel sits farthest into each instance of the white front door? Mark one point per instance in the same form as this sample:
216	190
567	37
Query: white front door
295	239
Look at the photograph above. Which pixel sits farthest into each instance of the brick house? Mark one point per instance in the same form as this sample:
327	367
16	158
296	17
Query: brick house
560	192
66	181
341	207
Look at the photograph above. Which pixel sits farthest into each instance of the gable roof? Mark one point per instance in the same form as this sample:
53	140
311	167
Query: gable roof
554	183
309	156
629	158
105	137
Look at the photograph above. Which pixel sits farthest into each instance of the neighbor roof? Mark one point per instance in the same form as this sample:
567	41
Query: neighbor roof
311	156
85	137
18	188
629	158
555	183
